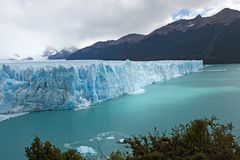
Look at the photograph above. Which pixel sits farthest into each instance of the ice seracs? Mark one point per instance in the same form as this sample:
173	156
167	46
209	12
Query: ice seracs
57	85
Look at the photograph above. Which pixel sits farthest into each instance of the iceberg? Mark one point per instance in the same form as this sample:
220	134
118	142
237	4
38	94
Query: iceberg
58	85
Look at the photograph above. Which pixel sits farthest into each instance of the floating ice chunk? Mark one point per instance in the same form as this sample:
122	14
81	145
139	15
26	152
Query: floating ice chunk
91	147
121	140
215	70
67	145
99	138
85	150
137	92
110	137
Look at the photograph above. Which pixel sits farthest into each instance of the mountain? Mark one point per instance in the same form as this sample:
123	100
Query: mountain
103	49
18	57
52	53
63	54
214	39
28	59
49	51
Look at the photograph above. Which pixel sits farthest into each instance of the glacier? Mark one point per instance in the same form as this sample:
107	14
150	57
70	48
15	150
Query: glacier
27	86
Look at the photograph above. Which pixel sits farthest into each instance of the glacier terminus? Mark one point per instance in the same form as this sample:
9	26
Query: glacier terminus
27	86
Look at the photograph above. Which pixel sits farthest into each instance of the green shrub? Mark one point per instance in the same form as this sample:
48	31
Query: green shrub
117	156
201	139
46	151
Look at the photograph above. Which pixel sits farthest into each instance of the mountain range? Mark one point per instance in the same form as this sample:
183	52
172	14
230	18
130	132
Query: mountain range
214	39
52	53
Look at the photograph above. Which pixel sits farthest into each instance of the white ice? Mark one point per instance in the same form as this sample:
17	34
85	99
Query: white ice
56	85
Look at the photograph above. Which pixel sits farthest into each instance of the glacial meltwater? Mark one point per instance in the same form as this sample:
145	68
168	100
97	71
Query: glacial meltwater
213	91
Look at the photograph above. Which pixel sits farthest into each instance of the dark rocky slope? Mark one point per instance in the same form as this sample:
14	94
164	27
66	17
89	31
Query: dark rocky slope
214	39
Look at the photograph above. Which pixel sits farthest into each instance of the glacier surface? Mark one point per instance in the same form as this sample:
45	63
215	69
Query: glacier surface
57	85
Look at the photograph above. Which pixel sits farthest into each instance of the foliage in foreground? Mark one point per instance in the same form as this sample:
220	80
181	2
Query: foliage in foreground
46	151
201	139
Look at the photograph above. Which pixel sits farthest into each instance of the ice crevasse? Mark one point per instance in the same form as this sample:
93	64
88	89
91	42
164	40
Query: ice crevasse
57	85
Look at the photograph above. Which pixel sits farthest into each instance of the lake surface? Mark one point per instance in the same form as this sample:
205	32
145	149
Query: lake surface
214	91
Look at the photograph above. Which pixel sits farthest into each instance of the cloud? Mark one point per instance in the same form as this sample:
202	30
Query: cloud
28	26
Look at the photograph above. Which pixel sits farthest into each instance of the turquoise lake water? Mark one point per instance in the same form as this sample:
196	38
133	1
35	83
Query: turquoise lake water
214	91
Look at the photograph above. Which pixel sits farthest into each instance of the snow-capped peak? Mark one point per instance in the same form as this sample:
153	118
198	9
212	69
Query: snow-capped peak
71	49
49	51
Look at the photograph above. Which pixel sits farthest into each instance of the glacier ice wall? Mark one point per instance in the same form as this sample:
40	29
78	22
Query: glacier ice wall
39	86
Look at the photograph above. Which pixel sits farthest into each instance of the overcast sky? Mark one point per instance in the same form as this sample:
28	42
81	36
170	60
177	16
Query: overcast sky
27	27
